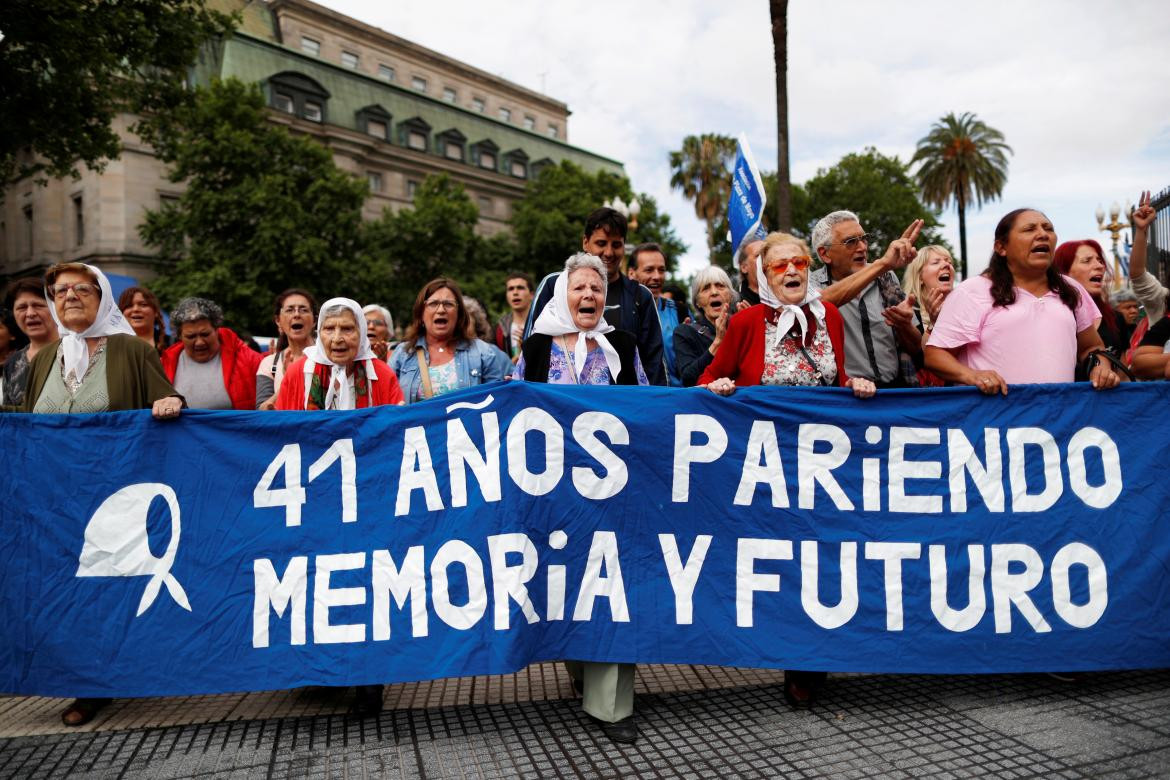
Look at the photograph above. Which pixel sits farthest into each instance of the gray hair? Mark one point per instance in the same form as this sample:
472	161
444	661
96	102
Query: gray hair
1123	295
374	308
712	274
822	232
195	309
586	260
336	310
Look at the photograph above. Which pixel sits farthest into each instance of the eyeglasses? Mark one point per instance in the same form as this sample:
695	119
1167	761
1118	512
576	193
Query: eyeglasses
81	289
377	323
436	305
296	310
799	263
867	238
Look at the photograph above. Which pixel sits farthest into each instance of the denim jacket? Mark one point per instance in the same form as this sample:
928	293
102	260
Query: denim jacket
476	362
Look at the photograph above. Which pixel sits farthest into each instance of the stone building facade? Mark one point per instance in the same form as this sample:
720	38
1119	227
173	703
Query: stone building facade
390	111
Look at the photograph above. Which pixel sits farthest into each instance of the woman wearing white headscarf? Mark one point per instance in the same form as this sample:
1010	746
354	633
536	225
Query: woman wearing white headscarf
98	365
791	337
571	343
340	371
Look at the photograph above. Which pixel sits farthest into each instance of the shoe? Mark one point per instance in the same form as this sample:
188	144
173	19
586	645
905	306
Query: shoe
624	730
367	702
798	696
81	711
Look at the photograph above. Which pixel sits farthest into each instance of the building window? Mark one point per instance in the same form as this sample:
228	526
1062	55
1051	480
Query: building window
283	103
553	132
376	129
506	114
419	83
78	221
385	72
310	46
453	152
477	104
487	160
449	95
375	181
518	169
416	140
415	133
28	228
411	188
529	123
297	94
452	144
349	60
167	201
312	111
516	163
485	204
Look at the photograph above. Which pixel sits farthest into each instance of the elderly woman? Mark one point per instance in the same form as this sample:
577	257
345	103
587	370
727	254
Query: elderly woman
992	332
790	338
380	329
211	366
1084	261
572	344
294	309
440	352
33	318
696	342
141	309
340	371
98	365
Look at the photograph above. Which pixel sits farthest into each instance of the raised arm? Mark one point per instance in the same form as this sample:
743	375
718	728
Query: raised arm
898	254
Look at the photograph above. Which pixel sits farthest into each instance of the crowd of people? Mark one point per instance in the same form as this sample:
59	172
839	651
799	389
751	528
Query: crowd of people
822	313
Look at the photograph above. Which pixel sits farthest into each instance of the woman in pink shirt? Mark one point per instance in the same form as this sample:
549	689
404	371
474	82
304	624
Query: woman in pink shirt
1021	321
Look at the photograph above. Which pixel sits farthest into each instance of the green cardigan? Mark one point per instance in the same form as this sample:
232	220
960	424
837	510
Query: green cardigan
134	374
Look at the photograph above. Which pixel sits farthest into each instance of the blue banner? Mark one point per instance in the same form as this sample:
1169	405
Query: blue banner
920	531
745	208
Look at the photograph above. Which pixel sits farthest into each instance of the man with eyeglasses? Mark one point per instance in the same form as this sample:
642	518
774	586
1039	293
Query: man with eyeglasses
882	342
629	306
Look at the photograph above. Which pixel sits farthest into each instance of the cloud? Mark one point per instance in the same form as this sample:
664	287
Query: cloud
1074	86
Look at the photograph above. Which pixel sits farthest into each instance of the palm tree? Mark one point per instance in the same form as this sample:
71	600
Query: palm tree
779	11
701	169
961	159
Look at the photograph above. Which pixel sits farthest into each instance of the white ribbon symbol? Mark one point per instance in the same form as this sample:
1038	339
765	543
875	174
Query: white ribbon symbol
116	543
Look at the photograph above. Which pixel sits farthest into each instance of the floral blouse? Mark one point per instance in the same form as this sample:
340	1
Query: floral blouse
786	364
595	372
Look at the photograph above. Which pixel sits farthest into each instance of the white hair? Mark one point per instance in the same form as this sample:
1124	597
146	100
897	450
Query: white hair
374	308
712	274
592	262
822	232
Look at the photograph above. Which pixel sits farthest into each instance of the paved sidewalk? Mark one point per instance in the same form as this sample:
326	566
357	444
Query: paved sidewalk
696	722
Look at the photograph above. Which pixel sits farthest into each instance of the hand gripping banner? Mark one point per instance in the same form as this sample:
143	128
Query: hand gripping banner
920	531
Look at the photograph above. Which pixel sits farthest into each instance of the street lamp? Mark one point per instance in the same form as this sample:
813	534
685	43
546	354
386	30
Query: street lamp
1114	227
629	210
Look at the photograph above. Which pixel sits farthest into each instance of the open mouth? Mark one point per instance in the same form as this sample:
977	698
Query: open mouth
296	327
944	277
716	304
792	284
1042	249
585	309
1096	278
440	322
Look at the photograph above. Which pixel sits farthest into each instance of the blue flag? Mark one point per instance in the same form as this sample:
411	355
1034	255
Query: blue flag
921	531
745	209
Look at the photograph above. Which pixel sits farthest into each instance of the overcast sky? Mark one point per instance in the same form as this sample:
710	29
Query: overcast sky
1077	88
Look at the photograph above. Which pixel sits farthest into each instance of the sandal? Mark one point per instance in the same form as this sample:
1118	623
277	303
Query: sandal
81	711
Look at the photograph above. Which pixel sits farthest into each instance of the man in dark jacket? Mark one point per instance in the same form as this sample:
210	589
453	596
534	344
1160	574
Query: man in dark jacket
629	306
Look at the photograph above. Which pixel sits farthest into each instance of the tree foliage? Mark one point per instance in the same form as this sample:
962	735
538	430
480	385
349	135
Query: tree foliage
68	68
701	170
962	160
549	220
263	209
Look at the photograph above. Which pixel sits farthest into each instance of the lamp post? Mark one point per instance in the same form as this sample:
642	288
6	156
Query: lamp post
629	210
1114	227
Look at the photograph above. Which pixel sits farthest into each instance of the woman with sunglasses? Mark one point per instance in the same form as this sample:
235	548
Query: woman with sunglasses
440	352
790	338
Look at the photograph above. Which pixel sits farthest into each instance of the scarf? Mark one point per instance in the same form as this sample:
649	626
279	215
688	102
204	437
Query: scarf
806	314
109	321
556	320
325	380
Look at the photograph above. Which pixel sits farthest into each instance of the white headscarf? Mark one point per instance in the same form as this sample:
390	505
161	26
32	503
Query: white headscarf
109	321
317	355
557	320
789	313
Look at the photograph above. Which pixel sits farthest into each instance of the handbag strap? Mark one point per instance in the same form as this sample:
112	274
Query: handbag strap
425	373
816	369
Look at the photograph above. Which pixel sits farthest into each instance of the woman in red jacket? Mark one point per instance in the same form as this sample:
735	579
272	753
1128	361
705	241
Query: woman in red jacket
790	338
210	366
